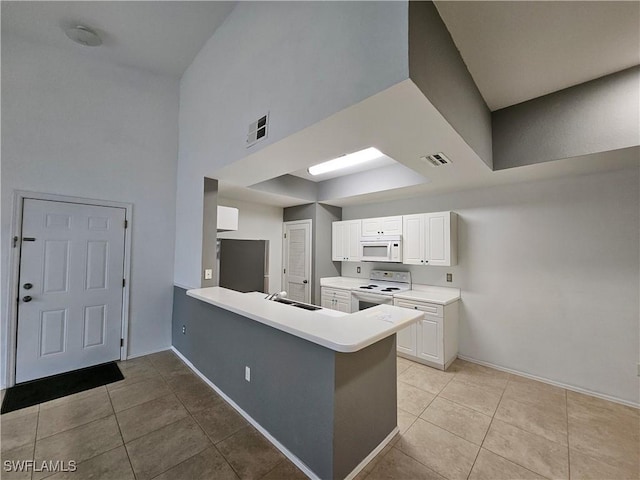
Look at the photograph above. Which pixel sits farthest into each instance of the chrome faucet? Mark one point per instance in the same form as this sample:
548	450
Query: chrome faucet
275	296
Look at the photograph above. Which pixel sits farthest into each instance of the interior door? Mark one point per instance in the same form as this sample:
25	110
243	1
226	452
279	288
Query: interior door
297	260
71	287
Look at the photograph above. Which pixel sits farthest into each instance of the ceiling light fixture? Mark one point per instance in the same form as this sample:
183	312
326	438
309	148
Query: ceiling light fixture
345	161
84	36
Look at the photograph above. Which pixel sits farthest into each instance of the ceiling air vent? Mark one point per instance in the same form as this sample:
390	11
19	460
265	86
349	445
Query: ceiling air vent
258	130
436	160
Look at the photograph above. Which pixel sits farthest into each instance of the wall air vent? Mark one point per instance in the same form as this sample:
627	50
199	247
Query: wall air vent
258	130
436	160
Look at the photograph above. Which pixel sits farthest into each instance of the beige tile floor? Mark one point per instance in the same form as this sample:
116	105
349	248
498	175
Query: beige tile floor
479	423
472	422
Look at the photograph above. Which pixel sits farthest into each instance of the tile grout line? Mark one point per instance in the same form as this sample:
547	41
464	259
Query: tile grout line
214	444
514	426
566	409
486	433
35	440
187	416
489	427
195	420
419	417
276	466
121	436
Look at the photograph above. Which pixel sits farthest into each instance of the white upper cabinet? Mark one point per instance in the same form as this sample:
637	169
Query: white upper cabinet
430	239
345	241
372	227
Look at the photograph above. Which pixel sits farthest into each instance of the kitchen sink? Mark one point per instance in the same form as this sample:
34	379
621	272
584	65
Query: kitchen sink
304	306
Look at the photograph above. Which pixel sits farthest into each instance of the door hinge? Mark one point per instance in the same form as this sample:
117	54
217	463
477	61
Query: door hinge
126	223
15	241
122	342
124	282
285	270
285	235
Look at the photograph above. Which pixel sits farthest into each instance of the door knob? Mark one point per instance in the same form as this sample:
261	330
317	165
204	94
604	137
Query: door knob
304	281
27	286
26	299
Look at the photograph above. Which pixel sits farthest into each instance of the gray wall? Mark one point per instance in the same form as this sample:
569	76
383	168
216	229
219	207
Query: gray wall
322	216
549	272
306	396
364	400
596	116
73	125
220	344
259	222
437	69
325	267
209	230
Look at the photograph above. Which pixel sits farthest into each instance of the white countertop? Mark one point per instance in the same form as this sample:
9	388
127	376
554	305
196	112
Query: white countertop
423	293
346	283
346	332
431	294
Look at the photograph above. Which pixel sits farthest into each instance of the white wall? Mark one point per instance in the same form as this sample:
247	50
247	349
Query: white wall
302	62
79	127
549	273
260	222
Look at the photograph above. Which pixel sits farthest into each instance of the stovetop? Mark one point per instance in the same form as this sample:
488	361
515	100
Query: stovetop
386	282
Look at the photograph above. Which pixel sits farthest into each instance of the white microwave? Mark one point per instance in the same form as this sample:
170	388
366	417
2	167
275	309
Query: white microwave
385	248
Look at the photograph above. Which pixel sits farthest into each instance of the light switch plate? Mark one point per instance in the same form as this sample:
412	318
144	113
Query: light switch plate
208	273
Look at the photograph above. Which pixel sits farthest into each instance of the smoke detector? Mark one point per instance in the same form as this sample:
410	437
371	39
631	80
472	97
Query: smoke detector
436	159
83	36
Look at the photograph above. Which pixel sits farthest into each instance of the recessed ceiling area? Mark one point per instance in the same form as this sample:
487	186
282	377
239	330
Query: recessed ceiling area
409	127
382	161
519	50
158	36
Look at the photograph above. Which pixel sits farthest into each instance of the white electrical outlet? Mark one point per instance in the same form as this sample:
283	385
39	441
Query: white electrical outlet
208	273
247	374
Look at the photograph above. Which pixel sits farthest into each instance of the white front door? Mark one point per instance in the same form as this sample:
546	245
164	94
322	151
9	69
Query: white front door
71	286
297	260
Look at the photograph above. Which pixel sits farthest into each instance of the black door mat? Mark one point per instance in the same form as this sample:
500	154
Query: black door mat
44	389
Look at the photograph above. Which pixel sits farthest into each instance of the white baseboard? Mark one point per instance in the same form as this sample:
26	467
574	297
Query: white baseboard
294	459
372	455
163	349
551	382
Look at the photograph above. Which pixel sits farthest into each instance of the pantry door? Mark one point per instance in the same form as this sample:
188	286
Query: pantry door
297	260
71	287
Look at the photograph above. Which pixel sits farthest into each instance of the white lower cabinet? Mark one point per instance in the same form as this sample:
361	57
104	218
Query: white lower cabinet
432	340
335	299
406	340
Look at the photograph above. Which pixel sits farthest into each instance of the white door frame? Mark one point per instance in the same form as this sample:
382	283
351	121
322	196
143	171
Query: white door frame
19	197
285	251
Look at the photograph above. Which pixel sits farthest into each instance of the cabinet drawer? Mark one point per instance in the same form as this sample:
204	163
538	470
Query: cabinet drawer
336	294
430	308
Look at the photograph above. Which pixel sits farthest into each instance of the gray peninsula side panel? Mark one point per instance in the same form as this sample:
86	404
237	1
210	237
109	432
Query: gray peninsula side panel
291	392
365	403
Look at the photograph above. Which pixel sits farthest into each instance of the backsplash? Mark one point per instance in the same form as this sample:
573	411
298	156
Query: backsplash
419	274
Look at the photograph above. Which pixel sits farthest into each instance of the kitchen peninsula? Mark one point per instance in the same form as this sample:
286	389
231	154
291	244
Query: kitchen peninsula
305	377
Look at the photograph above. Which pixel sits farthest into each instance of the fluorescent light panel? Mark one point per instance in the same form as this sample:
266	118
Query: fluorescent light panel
345	161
